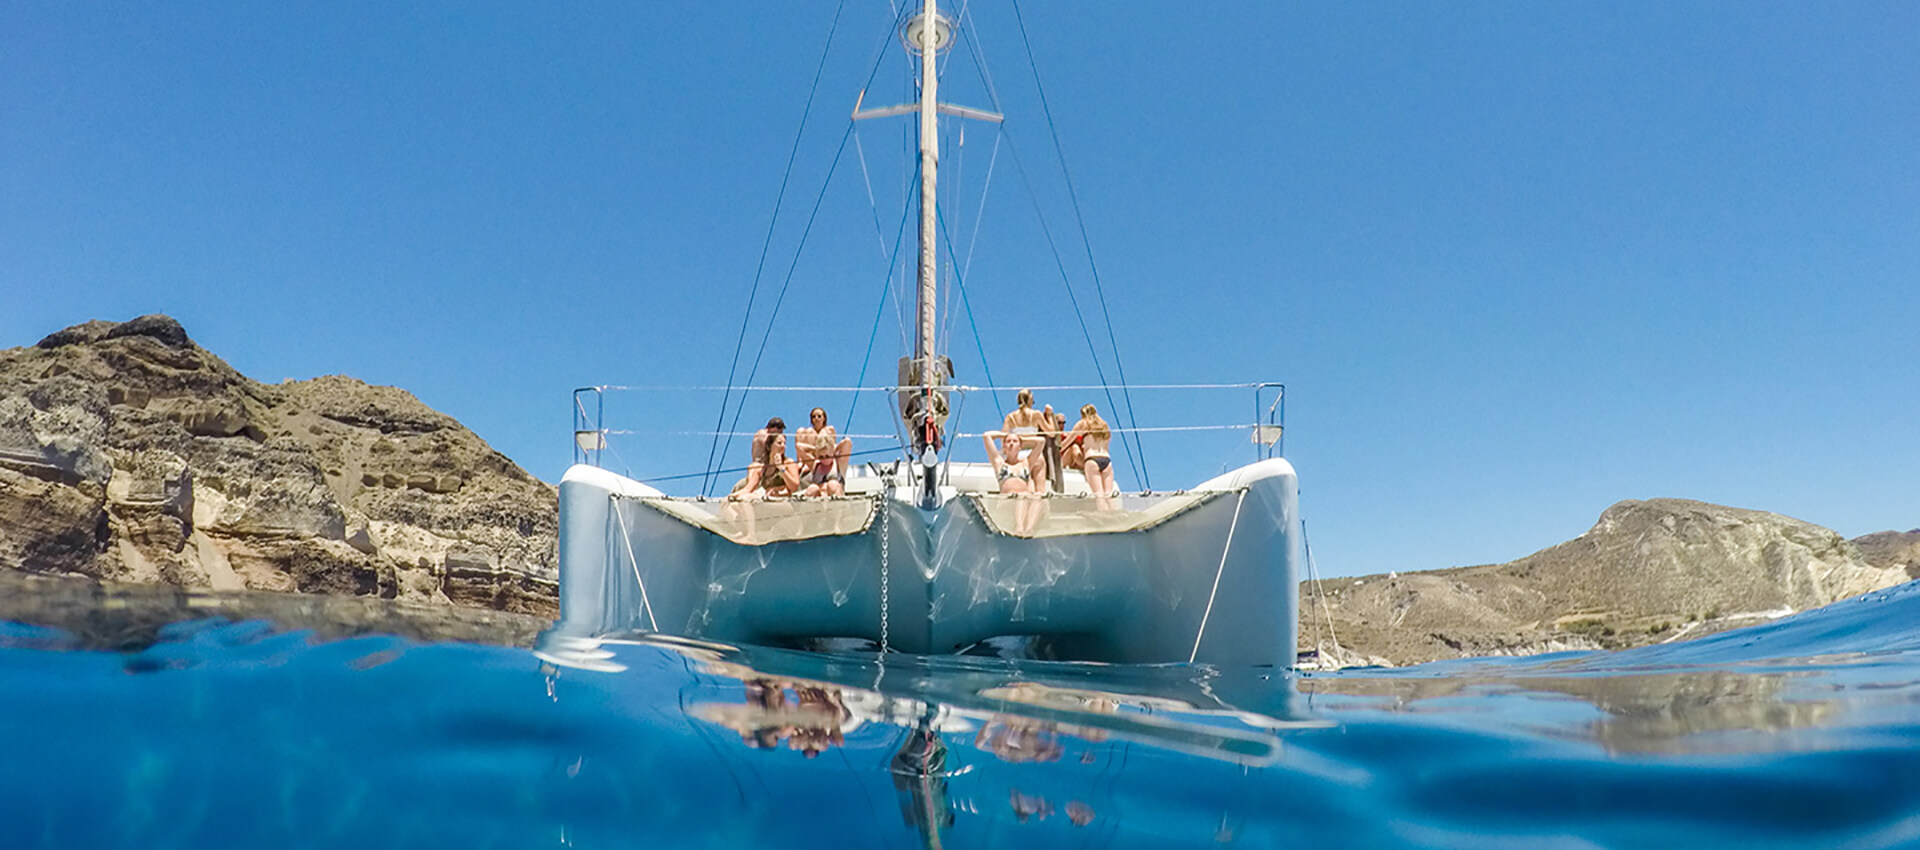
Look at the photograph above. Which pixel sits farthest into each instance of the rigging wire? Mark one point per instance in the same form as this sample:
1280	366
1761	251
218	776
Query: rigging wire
628	432
980	214
899	236
1098	290
745	468
964	31
879	234
880	53
892	388
1155	429
1320	592
1079	315
747	315
970	34
781	298
961	285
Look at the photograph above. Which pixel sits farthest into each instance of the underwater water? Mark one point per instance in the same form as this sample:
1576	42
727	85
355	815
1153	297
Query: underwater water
1804	732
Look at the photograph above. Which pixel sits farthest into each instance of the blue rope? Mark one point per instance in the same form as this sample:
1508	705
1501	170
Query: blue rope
964	302
899	235
740	342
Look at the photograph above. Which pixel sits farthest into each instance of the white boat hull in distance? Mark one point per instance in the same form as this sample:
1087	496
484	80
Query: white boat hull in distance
1208	575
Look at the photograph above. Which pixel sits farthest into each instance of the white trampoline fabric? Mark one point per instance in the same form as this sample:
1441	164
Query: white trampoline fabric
1066	515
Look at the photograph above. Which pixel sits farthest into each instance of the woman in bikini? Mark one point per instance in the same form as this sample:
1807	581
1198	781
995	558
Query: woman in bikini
1017	476
1089	439
1036	428
775	475
824	455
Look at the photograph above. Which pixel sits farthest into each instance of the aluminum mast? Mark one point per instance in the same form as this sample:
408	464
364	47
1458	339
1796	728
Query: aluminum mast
931	32
923	406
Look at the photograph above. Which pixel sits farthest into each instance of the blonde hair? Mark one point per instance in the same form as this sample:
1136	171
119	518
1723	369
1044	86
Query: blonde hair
1024	398
1097	426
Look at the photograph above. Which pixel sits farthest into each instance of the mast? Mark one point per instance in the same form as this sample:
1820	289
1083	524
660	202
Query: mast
930	32
923	372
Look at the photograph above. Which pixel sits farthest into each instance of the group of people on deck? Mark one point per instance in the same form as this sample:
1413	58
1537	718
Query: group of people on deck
820	470
1034	447
1024	462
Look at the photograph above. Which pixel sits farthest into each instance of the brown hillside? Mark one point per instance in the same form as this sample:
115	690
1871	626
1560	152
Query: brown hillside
1647	571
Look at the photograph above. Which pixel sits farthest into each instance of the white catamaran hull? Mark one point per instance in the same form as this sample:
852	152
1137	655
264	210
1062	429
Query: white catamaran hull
1208	575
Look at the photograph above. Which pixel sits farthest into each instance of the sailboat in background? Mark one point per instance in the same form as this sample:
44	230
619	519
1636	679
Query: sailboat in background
925	555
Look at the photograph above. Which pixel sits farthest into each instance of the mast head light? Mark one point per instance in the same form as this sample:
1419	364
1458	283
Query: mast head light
914	31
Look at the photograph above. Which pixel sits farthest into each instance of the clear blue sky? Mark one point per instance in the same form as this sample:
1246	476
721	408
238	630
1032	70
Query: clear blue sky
1515	261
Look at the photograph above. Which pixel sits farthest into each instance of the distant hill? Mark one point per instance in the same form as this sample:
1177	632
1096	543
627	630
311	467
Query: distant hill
1648	571
1892	549
130	454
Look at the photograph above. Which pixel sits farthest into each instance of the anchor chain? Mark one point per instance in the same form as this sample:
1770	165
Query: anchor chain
886	586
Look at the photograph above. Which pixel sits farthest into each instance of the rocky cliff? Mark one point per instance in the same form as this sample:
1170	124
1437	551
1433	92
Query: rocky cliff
1648	571
130	454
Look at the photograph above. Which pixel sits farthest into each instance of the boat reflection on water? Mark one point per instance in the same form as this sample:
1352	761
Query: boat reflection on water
806	718
960	737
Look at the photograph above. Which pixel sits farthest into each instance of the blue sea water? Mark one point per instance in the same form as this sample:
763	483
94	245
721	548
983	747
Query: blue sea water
1804	732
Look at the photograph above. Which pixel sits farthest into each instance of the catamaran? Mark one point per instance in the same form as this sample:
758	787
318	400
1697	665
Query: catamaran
926	555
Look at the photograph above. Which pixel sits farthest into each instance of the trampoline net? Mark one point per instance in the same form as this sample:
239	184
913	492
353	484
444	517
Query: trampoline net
1069	515
773	520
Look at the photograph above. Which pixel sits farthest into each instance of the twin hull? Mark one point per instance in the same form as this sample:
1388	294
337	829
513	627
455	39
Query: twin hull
1208	576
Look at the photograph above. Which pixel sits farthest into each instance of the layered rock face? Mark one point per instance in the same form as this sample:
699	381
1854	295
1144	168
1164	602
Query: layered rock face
129	453
1647	571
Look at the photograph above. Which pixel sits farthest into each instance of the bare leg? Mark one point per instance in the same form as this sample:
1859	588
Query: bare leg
842	455
1101	499
744	512
1029	516
1037	470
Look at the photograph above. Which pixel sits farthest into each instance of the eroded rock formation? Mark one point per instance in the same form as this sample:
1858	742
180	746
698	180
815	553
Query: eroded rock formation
130	454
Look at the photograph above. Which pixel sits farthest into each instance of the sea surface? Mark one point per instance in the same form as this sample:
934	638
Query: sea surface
1803	732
